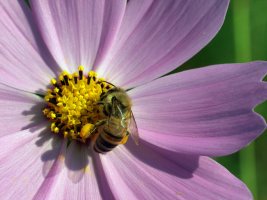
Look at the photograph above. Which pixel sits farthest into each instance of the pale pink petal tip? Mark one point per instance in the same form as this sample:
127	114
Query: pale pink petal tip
206	111
158	36
78	33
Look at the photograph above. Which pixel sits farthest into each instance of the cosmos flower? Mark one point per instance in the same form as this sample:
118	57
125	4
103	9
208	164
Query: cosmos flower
182	118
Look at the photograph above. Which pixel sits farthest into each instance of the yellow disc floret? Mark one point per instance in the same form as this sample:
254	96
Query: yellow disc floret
72	103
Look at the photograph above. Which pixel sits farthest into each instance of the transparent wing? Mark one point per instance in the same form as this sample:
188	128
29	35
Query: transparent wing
132	129
117	120
128	122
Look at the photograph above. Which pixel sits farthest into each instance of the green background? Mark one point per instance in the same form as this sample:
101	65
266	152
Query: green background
243	38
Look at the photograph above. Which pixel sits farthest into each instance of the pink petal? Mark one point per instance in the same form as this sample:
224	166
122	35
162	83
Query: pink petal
157	36
143	172
18	110
76	179
75	31
25	63
206	111
37	165
21	163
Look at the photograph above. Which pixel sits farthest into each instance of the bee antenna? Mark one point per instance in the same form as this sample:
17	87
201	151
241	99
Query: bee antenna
109	83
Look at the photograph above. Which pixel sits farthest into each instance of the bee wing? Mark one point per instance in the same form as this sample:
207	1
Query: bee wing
129	123
132	129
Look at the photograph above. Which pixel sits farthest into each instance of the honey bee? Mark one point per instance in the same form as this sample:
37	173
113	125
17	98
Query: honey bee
120	122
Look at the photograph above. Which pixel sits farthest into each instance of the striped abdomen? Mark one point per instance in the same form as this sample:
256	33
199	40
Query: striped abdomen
106	141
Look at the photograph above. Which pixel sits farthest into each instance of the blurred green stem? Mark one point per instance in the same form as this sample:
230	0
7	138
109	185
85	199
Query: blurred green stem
241	22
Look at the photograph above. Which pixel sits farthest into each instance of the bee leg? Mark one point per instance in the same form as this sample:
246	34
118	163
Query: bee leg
88	129
96	126
125	138
100	123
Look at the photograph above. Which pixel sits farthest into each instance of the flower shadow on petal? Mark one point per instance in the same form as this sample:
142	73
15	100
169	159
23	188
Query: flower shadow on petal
180	165
38	117
73	156
50	156
76	160
102	181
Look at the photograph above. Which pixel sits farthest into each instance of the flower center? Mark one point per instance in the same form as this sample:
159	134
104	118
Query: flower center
72	104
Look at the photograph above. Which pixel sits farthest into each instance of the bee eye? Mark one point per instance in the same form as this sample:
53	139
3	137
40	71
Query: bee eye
109	108
115	100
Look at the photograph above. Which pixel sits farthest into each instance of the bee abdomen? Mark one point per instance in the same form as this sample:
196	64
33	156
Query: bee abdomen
106	142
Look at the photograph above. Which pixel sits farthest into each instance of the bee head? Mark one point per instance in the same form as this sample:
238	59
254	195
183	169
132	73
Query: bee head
122	99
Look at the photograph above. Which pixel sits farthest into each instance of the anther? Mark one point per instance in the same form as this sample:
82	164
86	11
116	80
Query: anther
56	130
75	78
56	90
54	82
61	80
66	78
81	72
65	134
88	80
53	101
